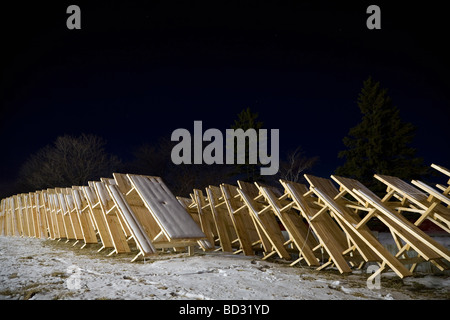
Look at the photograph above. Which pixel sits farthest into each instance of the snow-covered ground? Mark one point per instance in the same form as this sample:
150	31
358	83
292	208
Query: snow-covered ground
46	269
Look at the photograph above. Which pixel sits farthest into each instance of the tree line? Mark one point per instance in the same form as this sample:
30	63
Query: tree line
379	143
75	160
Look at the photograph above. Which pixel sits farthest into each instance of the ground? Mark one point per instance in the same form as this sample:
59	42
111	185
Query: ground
39	269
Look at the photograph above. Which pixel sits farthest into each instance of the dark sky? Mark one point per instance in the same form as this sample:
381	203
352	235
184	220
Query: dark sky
139	70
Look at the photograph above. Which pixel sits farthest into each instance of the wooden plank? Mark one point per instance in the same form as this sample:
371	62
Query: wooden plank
445	189
109	205
158	210
7	225
13	231
191	207
331	237
405	189
7	220
115	229
2	217
8	216
45	208
171	217
29	214
295	227
72	213
420	241
124	225
343	214
141	238
430	209
64	212
98	217
224	225
441	169
3	213
19	222
431	191
40	221
83	212
137	205
205	217
3	230
265	220
327	186
34	214
57	218
243	223
408	232
366	236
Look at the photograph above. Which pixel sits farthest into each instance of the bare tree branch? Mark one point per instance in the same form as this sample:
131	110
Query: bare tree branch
295	164
69	161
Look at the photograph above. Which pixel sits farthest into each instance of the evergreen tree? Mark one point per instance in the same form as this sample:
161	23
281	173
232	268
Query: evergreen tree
247	120
380	142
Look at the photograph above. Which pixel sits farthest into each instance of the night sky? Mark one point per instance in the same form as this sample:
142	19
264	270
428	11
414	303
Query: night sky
136	71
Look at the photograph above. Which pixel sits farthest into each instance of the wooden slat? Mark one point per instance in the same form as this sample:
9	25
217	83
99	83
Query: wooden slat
74	218
58	222
327	186
430	209
221	219
19	222
431	191
265	220
136	204
368	237
241	219
406	190
31	215
351	221
331	237
115	228
3	217
205	217
420	241
293	224
428	248
64	212
45	209
142	239
441	169
172	218
98	217
84	216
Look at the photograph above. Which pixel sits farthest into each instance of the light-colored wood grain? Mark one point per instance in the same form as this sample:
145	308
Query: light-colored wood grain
414	238
98	217
83	211
205	216
115	228
406	197
330	235
293	224
265	220
171	217
441	169
141	238
244	225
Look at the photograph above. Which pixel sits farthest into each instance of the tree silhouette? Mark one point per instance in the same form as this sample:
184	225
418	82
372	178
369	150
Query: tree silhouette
295	164
67	162
380	143
247	171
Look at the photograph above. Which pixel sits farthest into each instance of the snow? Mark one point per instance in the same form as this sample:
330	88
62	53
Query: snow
47	269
